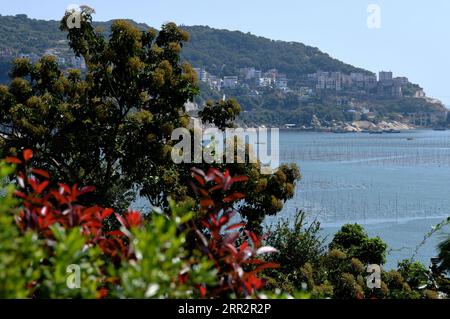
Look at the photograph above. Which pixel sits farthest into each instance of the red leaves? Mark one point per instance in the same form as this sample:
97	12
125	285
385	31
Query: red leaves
40	172
134	219
44	206
219	241
13	160
218	181
27	155
202	290
36	186
235	252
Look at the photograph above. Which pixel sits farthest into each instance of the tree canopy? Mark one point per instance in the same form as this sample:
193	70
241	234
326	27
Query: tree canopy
111	127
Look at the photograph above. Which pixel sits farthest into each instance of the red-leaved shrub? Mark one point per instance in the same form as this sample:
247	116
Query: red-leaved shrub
233	250
43	206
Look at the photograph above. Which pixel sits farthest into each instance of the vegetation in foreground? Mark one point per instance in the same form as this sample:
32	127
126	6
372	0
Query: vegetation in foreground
79	148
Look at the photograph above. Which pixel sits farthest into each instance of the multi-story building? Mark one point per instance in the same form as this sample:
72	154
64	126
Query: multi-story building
346	81
249	73
357	80
321	80
257	74
401	81
281	81
264	81
7	52
370	81
384	76
230	81
337	79
214	82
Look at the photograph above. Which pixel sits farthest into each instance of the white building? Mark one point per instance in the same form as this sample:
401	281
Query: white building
281	81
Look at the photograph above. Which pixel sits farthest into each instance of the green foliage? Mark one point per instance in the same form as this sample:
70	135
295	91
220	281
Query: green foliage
19	256
414	273
111	128
353	240
298	245
70	249
348	287
32	266
161	258
221	114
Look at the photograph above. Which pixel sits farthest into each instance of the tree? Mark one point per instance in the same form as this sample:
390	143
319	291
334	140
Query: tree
353	240
300	249
111	127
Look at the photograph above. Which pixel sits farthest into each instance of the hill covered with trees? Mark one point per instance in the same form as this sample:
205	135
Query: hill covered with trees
220	53
223	52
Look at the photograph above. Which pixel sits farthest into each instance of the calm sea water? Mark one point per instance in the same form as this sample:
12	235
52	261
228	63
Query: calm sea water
396	185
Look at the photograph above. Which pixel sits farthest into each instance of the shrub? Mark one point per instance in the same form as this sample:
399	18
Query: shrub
414	273
236	258
300	248
353	240
50	231
347	287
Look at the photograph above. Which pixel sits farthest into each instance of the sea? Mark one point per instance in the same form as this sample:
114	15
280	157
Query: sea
396	185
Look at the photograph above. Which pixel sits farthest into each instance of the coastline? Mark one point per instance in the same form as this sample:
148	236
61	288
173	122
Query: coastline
360	127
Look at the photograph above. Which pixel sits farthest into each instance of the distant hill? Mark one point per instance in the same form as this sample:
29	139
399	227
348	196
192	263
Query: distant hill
223	52
220	52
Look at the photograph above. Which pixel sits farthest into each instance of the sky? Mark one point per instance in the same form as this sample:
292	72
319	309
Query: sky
408	37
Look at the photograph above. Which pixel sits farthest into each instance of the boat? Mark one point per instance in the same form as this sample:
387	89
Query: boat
439	129
391	131
376	132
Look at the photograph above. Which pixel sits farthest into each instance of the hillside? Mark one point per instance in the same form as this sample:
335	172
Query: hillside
223	52
219	51
286	89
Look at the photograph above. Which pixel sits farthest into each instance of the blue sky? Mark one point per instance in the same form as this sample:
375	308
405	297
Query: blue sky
413	40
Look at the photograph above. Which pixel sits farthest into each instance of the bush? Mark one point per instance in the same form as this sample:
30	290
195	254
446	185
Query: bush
47	235
414	273
298	245
353	240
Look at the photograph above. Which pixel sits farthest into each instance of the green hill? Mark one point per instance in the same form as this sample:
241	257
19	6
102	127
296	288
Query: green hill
223	52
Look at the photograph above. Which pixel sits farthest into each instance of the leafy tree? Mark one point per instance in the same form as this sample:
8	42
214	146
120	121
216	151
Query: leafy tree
414	273
111	128
298	244
353	240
